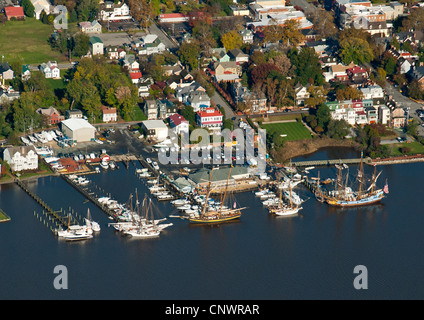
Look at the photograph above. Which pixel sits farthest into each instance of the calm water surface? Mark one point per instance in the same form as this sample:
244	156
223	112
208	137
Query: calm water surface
310	256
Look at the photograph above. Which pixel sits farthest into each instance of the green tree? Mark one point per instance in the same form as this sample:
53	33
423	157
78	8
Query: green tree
28	8
80	45
189	53
307	66
323	116
338	129
356	50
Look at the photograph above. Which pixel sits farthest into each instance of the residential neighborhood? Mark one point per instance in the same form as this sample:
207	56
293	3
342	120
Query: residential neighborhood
211	149
267	59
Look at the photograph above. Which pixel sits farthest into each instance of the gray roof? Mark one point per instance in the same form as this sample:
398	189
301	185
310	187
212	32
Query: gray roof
218	175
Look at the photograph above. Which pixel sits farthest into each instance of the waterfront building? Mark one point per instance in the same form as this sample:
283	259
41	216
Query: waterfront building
21	158
200	179
109	114
52	115
155	130
78	130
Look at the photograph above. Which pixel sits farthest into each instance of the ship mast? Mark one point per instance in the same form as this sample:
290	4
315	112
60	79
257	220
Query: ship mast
226	187
207	193
360	174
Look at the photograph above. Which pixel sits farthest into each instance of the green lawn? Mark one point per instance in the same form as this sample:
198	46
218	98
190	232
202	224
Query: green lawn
26	41
415	148
293	130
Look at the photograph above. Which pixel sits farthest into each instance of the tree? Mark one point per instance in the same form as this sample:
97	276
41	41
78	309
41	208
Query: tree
189	53
323	116
348	93
28	8
318	96
283	63
142	11
80	44
356	50
231	40
291	32
307	66
260	72
338	129
273	32
323	23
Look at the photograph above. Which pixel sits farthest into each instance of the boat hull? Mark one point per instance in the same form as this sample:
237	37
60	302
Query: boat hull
356	203
214	219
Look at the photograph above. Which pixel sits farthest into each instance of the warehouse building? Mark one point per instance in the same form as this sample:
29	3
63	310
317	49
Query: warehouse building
78	130
155	130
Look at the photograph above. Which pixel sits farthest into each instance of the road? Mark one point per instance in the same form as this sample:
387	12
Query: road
406	102
218	100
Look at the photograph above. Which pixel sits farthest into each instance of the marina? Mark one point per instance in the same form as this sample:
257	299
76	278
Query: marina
182	242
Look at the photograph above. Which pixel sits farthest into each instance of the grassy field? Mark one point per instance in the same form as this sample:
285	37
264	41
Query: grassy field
26	41
415	148
293	130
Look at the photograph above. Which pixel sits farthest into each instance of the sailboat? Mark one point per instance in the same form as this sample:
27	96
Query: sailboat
285	210
344	196
216	215
75	232
92	224
145	228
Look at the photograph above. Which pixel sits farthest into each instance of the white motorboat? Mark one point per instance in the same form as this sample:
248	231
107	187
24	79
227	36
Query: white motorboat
44	151
32	139
180	202
104	164
112	165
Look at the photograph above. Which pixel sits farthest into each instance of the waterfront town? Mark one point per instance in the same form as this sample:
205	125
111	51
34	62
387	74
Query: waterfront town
125	79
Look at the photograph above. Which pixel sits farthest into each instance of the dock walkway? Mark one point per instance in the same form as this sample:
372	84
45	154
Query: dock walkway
90	197
62	220
317	163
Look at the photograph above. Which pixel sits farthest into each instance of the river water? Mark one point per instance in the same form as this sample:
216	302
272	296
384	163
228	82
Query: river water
263	257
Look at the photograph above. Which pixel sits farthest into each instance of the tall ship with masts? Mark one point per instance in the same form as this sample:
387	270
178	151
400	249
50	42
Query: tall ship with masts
344	196
220	214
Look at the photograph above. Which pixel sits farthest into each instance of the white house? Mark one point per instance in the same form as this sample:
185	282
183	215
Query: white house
151	44
209	118
372	92
131	63
50	70
109	114
40	6
112	12
198	100
151	109
21	158
155	129
96	45
247	35
90	27
178	123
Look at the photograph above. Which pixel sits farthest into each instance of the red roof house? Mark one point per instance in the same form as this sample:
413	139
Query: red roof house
16	12
209	117
135	77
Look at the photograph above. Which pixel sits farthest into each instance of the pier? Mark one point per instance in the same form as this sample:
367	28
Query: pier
90	197
320	163
48	210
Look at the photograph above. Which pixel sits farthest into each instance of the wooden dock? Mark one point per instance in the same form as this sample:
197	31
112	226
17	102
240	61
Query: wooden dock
49	211
90	197
320	163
